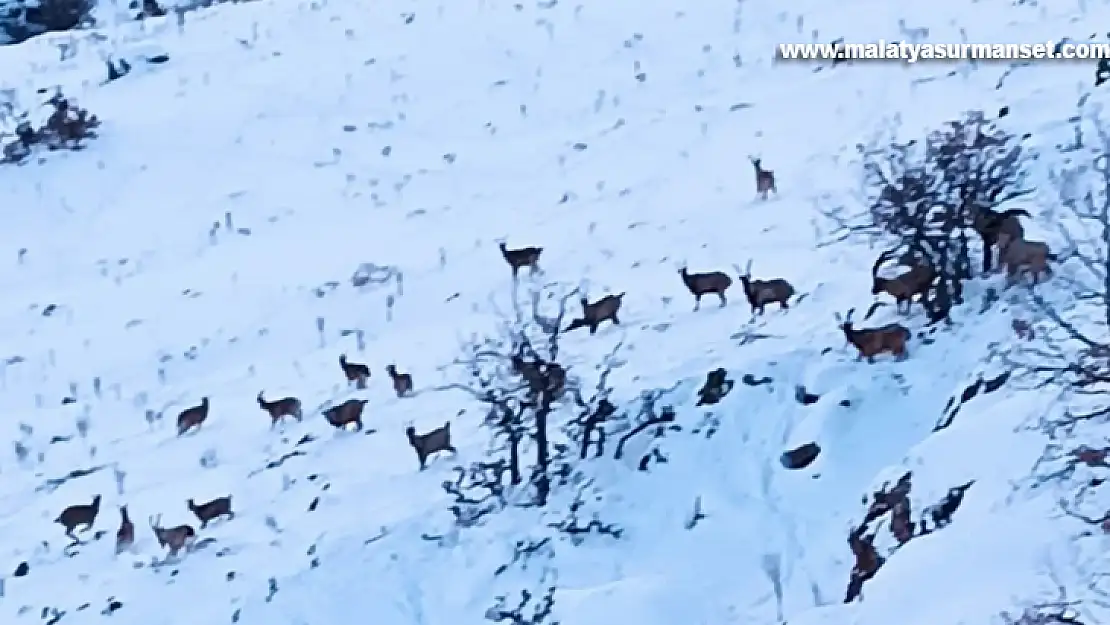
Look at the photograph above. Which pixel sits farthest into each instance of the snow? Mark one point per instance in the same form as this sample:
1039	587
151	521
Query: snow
464	123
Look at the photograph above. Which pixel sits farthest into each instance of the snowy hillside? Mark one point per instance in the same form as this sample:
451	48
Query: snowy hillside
203	246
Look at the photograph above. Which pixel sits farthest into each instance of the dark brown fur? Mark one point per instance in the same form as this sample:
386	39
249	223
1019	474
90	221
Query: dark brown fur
192	417
604	309
402	382
764	179
281	408
1019	256
703	283
205	512
916	281
523	257
991	225
432	442
349	411
80	514
763	292
176	538
354	371
891	338
125	535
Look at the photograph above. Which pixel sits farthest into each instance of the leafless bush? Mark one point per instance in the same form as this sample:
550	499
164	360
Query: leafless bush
67	126
929	194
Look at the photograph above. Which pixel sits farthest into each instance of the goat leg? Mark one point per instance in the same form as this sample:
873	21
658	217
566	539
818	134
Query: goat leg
724	300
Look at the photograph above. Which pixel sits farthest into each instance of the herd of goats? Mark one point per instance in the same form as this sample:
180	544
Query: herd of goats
999	230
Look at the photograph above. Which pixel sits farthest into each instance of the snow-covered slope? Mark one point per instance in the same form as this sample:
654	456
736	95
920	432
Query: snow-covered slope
414	135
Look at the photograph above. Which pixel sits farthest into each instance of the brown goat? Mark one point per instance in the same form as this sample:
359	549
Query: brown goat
1019	255
81	514
763	292
604	309
125	535
891	338
205	512
764	179
176	538
354	371
191	417
992	226
348	412
916	281
402	382
523	257
704	283
432	442
280	408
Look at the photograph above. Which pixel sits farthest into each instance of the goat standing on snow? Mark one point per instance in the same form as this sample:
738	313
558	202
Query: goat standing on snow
703	283
432	442
280	408
176	538
871	342
520	258
192	417
916	281
346	413
763	292
125	535
205	512
764	179
402	382
1020	256
354	372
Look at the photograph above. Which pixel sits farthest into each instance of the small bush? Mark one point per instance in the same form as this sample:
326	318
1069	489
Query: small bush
928	193
65	128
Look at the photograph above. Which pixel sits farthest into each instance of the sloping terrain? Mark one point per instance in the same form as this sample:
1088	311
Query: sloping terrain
203	244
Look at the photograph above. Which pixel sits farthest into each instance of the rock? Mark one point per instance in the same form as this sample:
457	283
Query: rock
800	457
21	570
804	397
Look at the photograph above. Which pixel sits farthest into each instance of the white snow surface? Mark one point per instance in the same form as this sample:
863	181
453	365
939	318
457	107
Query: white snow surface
461	129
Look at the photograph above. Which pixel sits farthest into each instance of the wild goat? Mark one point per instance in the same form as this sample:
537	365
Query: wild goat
891	338
176	538
764	178
402	382
916	281
1019	255
763	292
280	408
354	371
191	417
523	257
81	514
993	226
543	378
704	283
125	535
205	512
604	309
432	442
348	412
